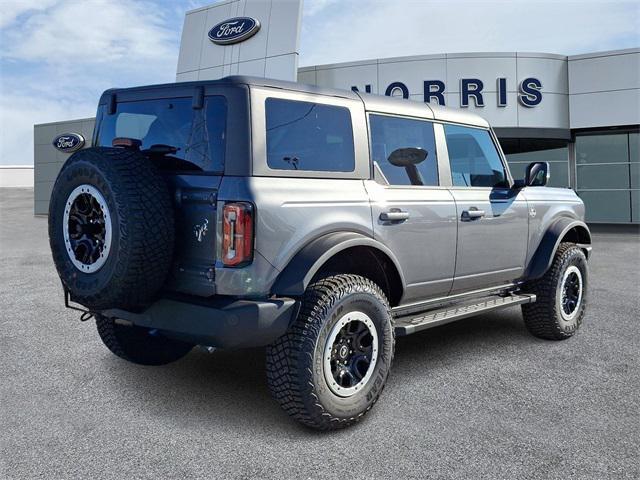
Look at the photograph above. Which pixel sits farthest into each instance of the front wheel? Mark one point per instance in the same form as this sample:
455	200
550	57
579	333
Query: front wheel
561	296
330	367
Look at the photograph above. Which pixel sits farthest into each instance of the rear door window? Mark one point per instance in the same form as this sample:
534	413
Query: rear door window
390	133
308	136
197	134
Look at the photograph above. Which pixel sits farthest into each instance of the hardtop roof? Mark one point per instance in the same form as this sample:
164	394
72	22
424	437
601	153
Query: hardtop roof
373	103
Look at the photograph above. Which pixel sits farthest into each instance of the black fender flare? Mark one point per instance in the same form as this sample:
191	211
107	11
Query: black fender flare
295	277
542	259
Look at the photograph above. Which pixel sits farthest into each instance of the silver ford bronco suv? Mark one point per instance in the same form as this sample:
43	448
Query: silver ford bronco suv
322	224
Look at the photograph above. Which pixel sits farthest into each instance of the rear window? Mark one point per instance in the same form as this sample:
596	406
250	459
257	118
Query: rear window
308	136
198	134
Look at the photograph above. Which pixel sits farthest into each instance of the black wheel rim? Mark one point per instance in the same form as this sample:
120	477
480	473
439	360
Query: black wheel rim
571	292
350	354
87	228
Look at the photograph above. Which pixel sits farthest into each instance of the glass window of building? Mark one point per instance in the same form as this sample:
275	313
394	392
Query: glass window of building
634	173
607	176
521	152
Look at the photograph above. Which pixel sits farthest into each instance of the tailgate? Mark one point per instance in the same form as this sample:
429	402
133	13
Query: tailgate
193	270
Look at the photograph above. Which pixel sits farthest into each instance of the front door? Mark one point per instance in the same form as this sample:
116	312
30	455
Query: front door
412	214
493	219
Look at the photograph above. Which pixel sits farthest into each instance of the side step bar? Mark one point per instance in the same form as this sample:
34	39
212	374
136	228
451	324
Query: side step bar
416	322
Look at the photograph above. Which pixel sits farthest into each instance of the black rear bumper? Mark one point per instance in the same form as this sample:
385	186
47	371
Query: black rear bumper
222	322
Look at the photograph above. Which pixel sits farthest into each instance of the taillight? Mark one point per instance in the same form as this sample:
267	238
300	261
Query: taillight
237	234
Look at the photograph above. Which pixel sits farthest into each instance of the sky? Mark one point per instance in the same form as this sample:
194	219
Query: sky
57	56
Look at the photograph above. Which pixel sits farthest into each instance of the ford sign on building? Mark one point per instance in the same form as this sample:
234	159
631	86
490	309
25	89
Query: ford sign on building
68	142
234	30
580	113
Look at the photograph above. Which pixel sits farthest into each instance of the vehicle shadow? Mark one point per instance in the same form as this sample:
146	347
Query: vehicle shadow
227	390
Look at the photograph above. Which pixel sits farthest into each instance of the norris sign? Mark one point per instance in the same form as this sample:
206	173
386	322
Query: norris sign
529	91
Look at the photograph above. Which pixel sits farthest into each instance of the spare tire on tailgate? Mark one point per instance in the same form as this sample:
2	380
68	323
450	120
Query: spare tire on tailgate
111	228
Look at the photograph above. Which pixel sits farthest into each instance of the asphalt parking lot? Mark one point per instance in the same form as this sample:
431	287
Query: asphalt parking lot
480	398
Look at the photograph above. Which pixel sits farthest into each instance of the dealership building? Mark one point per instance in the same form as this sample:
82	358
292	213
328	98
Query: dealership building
580	113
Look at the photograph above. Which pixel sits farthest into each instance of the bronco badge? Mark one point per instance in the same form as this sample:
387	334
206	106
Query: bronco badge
201	230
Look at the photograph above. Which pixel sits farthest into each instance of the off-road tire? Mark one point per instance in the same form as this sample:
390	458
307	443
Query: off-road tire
544	317
142	220
140	345
295	371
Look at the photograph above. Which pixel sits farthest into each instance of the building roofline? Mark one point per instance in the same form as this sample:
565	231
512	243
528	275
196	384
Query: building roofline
73	120
443	56
606	53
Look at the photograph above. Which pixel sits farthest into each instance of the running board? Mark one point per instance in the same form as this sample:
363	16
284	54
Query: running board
421	321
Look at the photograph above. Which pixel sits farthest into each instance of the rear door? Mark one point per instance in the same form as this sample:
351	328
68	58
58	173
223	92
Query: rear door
412	214
492	218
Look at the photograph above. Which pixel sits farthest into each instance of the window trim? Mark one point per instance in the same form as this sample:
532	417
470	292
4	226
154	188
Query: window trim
435	140
260	167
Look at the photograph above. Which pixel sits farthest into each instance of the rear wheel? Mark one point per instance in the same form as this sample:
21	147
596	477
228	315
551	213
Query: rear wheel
329	369
140	345
561	296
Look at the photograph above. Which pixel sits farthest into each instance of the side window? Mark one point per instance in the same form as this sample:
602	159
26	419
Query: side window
391	133
475	162
308	136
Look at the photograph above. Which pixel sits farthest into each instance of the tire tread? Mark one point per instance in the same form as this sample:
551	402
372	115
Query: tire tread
290	358
145	227
541	317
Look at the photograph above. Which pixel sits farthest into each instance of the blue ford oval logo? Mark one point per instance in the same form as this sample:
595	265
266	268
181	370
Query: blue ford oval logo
68	142
234	30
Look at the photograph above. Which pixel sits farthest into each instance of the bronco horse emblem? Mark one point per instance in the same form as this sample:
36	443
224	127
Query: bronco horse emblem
201	230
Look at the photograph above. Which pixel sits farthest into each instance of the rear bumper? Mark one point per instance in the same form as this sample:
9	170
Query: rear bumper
222	322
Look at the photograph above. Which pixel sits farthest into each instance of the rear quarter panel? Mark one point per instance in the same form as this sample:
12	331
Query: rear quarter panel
290	212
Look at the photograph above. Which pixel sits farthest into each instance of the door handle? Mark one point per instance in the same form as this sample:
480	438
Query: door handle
472	214
394	215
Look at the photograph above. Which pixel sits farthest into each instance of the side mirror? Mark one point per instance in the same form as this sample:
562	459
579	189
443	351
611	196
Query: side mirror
405	157
408	158
537	174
